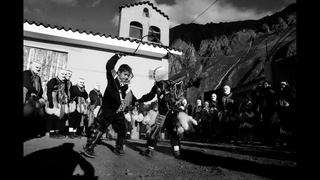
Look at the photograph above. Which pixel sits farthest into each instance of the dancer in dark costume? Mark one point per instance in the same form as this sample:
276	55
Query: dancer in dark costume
117	97
170	117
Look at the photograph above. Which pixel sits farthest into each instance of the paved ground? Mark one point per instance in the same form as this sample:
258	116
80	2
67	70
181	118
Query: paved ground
199	160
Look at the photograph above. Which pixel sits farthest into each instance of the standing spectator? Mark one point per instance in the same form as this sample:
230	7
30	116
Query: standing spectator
285	106
189	109
137	118
215	118
33	102
143	127
228	114
80	96
57	100
95	97
248	121
68	85
265	102
32	82
197	111
150	117
213	101
206	122
127	115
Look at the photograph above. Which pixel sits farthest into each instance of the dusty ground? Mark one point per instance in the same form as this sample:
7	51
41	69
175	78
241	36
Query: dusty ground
199	161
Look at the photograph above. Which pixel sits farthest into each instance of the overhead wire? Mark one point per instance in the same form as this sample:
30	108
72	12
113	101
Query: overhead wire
204	11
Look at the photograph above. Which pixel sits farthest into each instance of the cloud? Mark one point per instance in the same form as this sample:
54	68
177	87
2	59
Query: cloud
115	20
66	2
290	1
26	9
95	3
34	11
185	11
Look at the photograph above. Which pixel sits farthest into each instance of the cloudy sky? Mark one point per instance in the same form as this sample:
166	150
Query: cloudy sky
101	15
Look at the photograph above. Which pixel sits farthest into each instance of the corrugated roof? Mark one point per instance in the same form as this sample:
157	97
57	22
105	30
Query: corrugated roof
97	34
144	2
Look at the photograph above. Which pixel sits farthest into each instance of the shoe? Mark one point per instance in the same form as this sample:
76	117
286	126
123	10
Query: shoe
118	151
71	135
60	136
177	154
147	152
52	134
99	141
75	135
88	152
83	134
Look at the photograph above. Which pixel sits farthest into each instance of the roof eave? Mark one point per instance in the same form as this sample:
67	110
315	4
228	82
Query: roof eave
102	42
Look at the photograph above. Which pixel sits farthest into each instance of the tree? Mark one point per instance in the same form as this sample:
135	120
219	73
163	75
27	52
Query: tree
266	28
282	24
291	19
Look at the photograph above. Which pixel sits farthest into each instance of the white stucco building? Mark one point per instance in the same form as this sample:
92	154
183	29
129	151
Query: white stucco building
86	53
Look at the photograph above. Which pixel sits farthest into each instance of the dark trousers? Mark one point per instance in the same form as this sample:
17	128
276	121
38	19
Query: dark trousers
99	127
55	123
173	136
169	125
33	123
75	119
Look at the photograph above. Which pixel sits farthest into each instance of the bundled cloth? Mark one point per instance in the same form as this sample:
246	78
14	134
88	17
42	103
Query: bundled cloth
156	128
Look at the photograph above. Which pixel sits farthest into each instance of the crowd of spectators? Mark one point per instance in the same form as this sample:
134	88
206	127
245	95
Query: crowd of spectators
265	115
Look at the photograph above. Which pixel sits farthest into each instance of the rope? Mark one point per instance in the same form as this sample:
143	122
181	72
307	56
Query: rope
222	78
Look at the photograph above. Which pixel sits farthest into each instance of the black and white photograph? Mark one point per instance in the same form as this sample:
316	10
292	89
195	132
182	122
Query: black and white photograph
159	89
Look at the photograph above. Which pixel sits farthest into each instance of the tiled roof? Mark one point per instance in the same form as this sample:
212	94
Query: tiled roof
98	34
145	2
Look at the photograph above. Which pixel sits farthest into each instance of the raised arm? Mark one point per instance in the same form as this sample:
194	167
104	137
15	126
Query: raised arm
111	64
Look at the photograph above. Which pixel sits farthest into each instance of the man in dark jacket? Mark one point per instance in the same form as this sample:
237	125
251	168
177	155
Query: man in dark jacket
57	100
79	94
95	97
33	108
68	83
228	114
117	97
32	82
286	107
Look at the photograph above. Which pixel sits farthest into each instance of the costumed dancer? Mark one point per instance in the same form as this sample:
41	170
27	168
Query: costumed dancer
169	117
117	97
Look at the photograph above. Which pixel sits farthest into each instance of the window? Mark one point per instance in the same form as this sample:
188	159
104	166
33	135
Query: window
135	30
52	61
154	34
146	12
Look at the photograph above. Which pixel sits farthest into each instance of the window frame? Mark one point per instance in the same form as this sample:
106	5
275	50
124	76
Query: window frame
136	26
154	30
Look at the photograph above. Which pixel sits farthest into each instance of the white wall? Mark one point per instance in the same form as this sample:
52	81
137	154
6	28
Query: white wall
135	13
90	65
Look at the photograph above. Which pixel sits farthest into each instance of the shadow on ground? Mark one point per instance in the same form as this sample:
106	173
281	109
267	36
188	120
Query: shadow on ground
251	150
204	159
107	145
56	163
